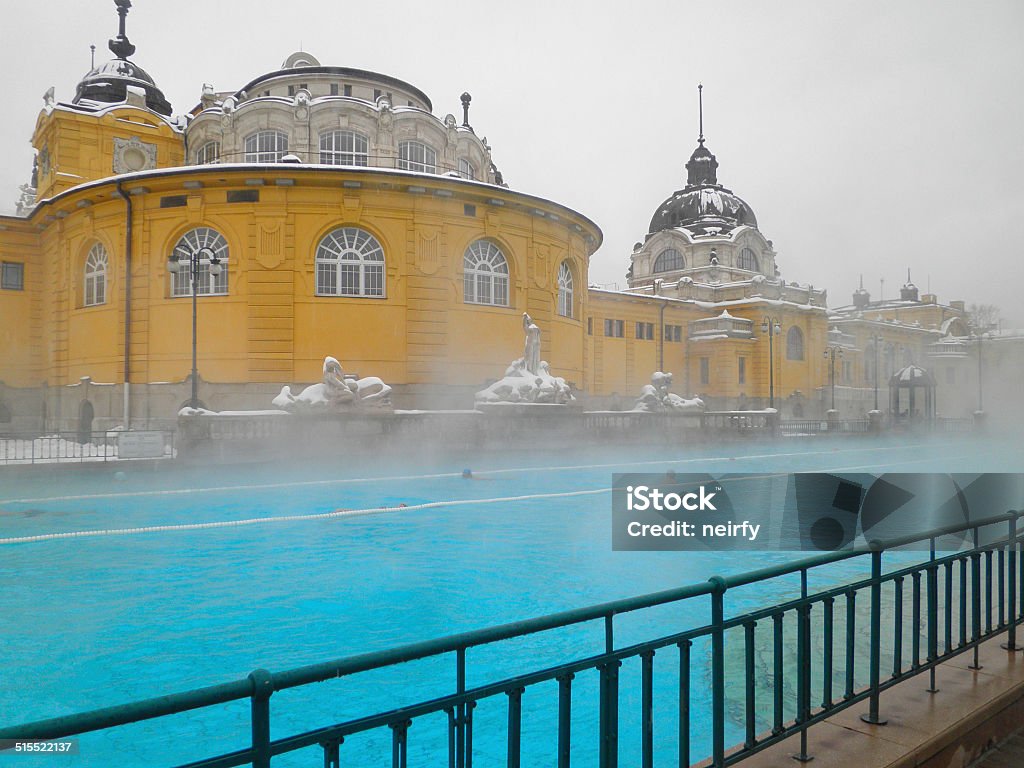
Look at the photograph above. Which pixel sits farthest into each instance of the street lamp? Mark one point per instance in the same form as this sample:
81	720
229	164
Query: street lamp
771	324
876	340
834	351
196	258
980	337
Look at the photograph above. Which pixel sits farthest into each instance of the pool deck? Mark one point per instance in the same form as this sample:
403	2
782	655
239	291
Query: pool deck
972	712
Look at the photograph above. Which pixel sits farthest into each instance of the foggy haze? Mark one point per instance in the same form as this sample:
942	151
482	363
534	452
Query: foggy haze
867	137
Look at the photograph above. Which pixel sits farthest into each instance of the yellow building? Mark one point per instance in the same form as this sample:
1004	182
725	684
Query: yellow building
349	220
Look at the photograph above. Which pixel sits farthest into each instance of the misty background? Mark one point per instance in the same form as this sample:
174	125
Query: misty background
868	137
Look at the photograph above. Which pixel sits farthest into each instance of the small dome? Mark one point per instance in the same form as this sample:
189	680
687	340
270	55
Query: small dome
108	83
699	208
703	206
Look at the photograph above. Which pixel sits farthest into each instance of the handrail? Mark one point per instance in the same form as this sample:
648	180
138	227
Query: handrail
261	684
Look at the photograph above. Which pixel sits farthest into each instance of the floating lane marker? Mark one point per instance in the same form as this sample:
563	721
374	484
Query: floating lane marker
343	513
437	476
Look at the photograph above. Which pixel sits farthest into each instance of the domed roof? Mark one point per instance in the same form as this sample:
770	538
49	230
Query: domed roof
108	83
703	206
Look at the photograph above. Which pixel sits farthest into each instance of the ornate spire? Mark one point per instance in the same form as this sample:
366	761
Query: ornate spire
700	108
120	45
703	167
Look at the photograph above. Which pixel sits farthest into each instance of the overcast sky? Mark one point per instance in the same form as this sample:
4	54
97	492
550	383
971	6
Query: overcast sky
868	137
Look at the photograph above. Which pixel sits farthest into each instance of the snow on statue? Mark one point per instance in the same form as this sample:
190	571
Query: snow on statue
656	398
528	379
335	392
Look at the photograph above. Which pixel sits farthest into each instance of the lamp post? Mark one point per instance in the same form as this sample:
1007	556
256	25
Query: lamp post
980	337
834	351
200	257
772	327
875	341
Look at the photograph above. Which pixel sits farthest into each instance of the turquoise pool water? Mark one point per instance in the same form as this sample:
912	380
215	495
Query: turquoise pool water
96	620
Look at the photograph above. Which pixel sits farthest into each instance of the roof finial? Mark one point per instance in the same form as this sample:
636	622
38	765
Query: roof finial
120	45
92	61
862	281
908	274
700	102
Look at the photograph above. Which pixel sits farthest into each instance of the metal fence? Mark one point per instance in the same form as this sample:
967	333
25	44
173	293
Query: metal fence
822	426
63	447
964	597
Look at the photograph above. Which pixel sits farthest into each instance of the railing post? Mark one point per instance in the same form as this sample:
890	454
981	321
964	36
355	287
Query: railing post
933	617
872	716
564	719
262	687
803	673
1011	632
717	671
975	599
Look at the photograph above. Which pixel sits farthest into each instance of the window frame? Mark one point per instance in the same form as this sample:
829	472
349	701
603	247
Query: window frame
260	154
795	343
705	371
209	285
333	155
614	329
407	163
480	268
566	292
16	268
352	247
747	255
204	150
94	276
466	169
678	258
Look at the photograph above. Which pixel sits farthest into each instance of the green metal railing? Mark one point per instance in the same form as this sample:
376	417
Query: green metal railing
966	597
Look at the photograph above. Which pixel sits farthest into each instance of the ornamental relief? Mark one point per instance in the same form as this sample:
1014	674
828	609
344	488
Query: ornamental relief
132	155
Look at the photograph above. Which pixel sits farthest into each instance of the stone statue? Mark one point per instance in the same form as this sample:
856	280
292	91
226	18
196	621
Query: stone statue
531	352
335	392
656	397
528	379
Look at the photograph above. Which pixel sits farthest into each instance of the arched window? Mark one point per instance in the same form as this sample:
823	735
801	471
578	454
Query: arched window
486	274
795	344
668	260
208	153
466	169
344	148
416	156
565	290
747	260
208	285
349	262
266	147
95	276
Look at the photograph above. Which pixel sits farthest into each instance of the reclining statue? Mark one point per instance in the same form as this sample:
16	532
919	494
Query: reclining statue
656	397
335	392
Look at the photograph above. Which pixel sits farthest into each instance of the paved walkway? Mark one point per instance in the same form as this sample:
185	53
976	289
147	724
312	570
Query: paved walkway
948	729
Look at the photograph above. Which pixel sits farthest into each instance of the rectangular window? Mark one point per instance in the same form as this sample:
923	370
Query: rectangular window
243	195
705	370
645	331
376	94
590	326
291	90
334	89
348	90
742	370
12	276
173	201
673	333
615	329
